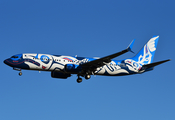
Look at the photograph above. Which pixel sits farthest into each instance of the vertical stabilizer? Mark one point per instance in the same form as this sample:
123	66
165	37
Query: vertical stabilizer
146	54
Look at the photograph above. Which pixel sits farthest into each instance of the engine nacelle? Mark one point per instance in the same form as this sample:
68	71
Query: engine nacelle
73	68
61	75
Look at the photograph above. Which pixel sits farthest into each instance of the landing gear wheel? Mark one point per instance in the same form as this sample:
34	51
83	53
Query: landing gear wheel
87	77
79	80
20	73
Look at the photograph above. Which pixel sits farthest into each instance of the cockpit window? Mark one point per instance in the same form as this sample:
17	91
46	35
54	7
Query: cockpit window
15	57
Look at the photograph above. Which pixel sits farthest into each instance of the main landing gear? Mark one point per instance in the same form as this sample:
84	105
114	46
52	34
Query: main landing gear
79	80
87	77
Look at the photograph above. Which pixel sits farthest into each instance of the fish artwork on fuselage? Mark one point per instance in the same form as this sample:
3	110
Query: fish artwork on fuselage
64	66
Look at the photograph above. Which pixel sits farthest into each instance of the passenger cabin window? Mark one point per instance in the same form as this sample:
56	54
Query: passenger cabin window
122	65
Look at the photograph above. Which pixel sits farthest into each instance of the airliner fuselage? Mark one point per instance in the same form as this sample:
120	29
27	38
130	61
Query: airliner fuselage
64	66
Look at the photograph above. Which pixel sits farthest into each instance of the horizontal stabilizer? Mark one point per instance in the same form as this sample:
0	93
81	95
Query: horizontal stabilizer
154	64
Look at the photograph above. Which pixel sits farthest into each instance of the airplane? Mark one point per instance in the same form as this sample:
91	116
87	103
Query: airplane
64	66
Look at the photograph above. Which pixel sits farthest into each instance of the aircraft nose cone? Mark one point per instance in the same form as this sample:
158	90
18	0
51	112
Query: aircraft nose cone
5	62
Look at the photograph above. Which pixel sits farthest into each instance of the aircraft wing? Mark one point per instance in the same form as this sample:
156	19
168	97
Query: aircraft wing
92	65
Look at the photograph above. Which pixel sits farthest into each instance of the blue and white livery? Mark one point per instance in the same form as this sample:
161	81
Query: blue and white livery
64	66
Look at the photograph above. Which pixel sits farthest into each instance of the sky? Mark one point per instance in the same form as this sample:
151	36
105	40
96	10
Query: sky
86	28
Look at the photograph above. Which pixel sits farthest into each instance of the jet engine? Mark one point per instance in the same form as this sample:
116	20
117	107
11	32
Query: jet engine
61	75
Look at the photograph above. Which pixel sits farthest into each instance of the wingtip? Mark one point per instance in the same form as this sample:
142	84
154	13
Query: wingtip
131	45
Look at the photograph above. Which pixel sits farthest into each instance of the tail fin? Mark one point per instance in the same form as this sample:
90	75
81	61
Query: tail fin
146	54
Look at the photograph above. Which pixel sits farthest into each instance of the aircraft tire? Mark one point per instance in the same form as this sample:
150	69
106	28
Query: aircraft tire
20	73
87	77
79	80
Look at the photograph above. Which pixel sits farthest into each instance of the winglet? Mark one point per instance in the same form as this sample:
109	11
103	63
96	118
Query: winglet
130	46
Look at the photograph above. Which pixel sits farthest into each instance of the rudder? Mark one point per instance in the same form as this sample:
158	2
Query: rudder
146	54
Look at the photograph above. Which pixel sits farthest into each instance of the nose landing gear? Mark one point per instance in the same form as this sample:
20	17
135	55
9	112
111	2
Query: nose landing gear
20	73
18	69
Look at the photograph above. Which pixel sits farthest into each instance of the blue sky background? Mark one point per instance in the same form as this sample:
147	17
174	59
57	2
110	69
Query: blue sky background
92	28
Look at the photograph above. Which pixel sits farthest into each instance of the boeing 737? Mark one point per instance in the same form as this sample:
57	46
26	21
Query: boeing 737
63	67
